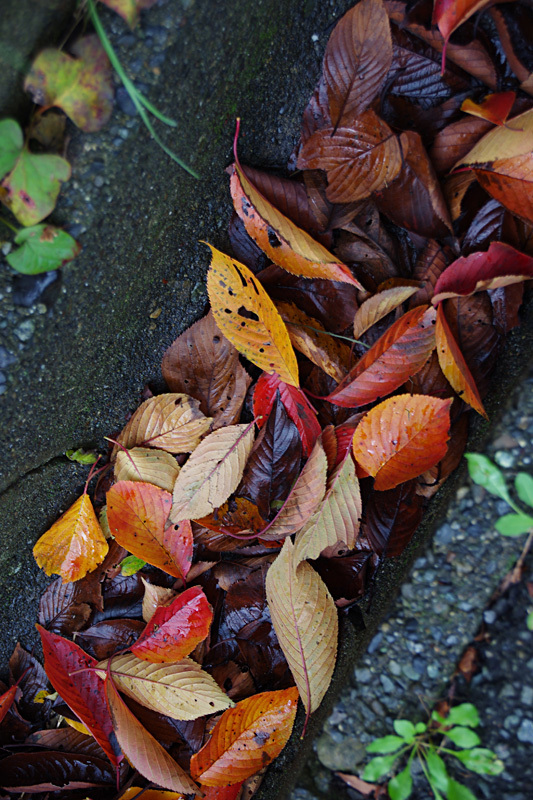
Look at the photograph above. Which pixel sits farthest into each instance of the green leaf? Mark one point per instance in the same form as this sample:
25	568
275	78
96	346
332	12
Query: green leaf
82	87
32	186
11	142
456	791
437	771
405	729
401	786
529	621
131	564
82	456
43	248
463	737
524	488
378	767
514	524
480	760
464	714
387	744
421	727
486	474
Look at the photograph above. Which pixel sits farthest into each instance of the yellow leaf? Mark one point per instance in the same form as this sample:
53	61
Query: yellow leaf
144	464
74	545
78	726
247	316
378	306
212	472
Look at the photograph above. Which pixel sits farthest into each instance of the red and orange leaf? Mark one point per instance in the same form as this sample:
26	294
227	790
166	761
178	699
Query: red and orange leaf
246	315
402	437
144	752
454	366
357	59
137	514
395	357
494	108
239	515
230	792
7	700
449	14
174	631
246	738
378	306
500	265
74	545
296	405
70	672
283	242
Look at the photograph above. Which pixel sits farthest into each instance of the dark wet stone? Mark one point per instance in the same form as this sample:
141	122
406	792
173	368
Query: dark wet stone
6	358
27	289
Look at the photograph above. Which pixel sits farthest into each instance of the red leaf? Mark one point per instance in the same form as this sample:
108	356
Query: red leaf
395	357
83	691
449	14
494	108
501	265
391	518
175	630
7	700
296	405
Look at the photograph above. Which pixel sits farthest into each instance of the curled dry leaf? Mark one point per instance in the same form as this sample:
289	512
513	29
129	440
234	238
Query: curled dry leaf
171	422
212	472
246	738
246	315
454	366
359	159
74	545
205	364
144	752
305	620
402	350
147	465
378	306
402	437
284	243
181	690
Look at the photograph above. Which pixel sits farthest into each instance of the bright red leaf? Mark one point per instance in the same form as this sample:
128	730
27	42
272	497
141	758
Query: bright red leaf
494	108
296	405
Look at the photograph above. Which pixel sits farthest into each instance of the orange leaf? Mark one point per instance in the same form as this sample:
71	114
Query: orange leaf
137	514
74	545
454	366
246	738
144	752
402	437
7	700
494	108
449	14
247	316
395	357
283	242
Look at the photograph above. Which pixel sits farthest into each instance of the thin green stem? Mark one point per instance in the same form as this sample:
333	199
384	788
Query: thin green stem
9	225
335	335
139	100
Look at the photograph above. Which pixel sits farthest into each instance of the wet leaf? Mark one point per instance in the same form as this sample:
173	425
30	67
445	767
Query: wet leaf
138	514
155	596
26	671
455	141
248	318
147	465
150	794
144	752
501	265
6	700
43	248
74	545
246	738
81	86
70	672
401	438
296	404
392	517
396	356
203	363
494	108
50	771
181	690
378	306
454	366
359	159
450	14
105	638
212	472
238	515
171	422
174	630
129	11
64	607
357	58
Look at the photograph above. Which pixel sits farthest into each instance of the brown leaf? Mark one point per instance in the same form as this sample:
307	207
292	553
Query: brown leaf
455	141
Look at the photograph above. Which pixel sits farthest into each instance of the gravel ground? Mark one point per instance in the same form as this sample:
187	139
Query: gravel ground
440	609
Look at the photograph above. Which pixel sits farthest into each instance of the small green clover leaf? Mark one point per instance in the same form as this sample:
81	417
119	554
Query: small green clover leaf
82	456
378	767
514	524
463	714
43	248
486	474
463	737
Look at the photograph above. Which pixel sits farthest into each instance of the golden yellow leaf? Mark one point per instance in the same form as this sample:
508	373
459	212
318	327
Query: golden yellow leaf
74	545
378	306
247	316
144	464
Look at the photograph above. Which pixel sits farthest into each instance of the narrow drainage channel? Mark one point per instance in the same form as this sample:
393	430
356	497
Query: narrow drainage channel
440	609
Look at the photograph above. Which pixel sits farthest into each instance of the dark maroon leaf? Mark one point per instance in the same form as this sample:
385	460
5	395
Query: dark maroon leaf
316	114
105	638
430	380
327	215
25	668
244	248
506	302
261	652
485	227
51	770
347	577
371	263
391	518
66	740
63	609
431	262
166	730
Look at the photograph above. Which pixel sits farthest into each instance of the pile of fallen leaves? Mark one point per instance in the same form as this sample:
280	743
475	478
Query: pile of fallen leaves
310	415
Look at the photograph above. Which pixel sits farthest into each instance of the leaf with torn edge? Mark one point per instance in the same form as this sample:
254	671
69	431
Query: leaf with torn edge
181	690
246	738
144	752
171	422
305	620
147	465
454	366
402	437
74	545
212	472
246	315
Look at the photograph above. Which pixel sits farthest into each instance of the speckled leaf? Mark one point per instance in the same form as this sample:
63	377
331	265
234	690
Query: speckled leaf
43	248
81	86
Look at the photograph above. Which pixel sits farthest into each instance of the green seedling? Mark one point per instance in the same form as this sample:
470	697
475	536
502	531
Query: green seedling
429	745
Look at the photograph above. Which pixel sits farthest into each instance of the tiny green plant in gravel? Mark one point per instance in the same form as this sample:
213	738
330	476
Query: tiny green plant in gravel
427	744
